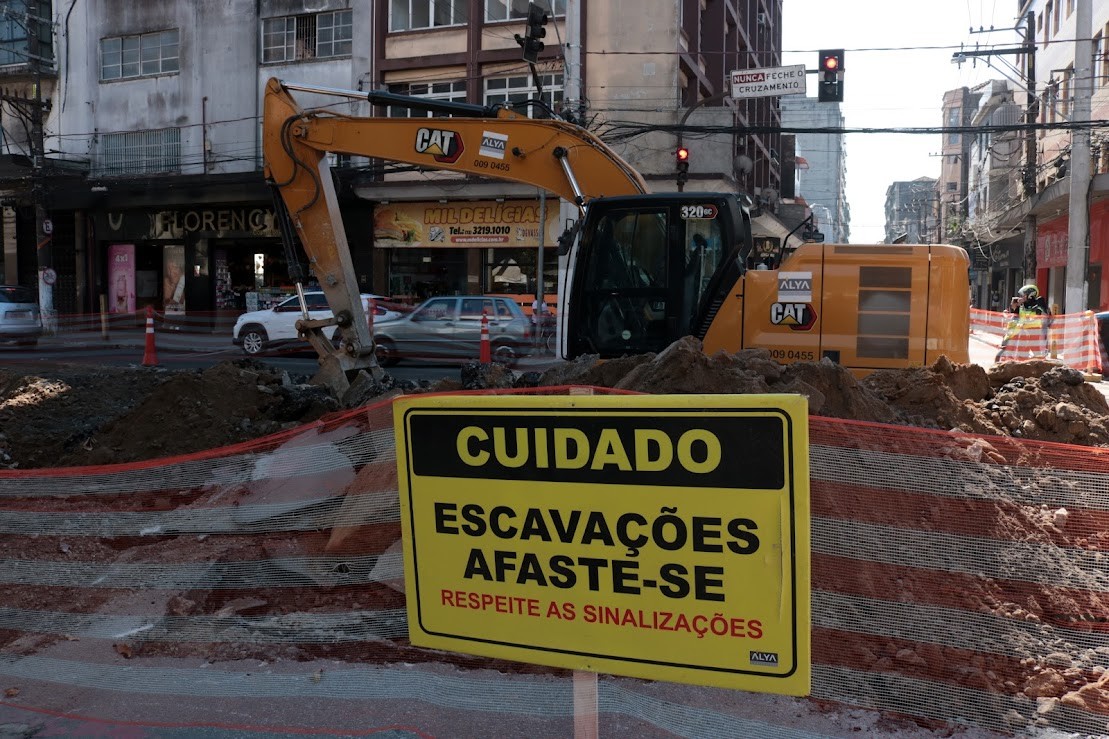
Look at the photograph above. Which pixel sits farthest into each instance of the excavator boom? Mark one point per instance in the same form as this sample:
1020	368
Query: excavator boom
474	140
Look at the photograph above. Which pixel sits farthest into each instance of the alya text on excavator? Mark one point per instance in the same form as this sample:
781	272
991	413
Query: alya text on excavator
638	270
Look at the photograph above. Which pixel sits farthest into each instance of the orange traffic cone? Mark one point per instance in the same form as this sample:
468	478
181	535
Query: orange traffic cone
485	354
150	356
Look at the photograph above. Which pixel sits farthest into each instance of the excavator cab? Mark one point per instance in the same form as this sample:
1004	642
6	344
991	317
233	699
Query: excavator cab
650	269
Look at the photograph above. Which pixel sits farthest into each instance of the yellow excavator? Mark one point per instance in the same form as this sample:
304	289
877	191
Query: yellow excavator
638	270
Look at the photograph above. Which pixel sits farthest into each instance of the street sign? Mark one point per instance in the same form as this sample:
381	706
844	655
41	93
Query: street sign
769	81
664	537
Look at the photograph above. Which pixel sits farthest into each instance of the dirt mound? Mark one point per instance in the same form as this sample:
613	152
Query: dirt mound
80	415
1034	400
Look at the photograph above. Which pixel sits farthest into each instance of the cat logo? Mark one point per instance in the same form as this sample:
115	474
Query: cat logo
443	146
798	316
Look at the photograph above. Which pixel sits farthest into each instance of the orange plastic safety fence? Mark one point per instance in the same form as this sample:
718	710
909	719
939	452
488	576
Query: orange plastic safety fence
956	579
1071	338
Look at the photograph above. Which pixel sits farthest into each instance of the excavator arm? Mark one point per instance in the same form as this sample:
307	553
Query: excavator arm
557	156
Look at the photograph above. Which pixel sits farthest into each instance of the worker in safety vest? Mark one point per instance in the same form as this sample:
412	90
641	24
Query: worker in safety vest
1033	314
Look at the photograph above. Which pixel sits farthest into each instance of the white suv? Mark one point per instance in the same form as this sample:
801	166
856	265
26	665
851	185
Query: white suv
261	330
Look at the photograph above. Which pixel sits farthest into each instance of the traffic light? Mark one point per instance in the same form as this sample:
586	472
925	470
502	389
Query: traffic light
830	87
532	40
682	159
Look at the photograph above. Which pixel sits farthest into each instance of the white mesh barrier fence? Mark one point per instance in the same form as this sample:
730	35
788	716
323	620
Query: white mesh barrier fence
958	580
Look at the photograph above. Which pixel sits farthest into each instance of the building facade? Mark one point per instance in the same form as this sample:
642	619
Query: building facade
821	163
1027	233
154	191
911	211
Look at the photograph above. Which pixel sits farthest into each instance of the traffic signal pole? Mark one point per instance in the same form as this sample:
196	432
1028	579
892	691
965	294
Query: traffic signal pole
682	173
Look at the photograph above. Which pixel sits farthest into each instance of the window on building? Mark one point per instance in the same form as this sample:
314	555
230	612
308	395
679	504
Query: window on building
1047	21
313	36
503	10
952	186
1101	56
1055	16
1070	7
1096	65
954	119
450	91
1051	99
517	89
515	271
1065	93
405	15
143	55
155	151
19	43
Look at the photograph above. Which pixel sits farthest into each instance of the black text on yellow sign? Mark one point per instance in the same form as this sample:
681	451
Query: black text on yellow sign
664	537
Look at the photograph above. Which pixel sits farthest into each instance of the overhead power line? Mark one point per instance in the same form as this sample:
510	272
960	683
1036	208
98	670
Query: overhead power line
617	129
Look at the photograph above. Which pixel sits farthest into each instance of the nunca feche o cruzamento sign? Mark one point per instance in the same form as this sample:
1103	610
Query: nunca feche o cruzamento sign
769	81
658	536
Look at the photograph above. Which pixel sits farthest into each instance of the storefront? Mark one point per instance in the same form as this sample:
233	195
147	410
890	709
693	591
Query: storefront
1052	241
200	261
465	247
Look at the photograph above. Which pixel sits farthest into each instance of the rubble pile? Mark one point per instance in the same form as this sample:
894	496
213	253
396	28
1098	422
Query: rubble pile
80	415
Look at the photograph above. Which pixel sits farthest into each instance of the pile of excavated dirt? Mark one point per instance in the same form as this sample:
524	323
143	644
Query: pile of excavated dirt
80	415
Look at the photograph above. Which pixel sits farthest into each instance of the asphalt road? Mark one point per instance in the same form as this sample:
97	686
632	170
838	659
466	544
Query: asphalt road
192	350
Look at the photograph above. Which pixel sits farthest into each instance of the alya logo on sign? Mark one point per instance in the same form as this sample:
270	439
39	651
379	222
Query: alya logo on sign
795	287
493	145
798	316
443	145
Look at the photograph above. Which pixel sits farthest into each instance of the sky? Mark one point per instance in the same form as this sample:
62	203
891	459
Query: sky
891	79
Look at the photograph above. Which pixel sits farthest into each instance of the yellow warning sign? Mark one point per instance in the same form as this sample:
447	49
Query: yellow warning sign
656	536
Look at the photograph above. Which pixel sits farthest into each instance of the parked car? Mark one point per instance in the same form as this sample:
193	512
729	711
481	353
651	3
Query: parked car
20	321
449	327
262	330
1103	338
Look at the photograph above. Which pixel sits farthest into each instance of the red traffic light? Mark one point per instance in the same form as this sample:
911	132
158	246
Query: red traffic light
682	154
831	60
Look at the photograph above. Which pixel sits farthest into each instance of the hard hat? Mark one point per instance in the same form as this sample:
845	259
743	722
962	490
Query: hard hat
1029	291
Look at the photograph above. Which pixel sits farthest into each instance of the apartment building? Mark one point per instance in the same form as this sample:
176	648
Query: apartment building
911	211
153	134
822	167
1030	238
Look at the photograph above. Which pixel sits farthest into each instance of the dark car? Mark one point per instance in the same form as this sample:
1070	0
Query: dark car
20	321
1103	337
449	327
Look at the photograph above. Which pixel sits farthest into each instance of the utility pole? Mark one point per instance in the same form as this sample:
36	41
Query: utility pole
572	57
1031	115
1028	50
1078	228
43	228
